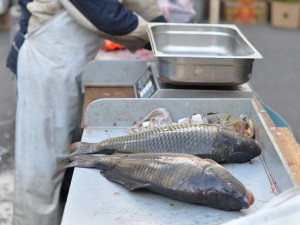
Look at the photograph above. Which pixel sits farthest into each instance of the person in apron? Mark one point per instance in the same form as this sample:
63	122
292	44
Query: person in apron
56	40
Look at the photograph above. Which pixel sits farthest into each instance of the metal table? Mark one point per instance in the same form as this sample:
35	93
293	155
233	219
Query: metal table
94	200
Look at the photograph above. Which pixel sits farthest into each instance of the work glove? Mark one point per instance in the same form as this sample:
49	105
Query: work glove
149	10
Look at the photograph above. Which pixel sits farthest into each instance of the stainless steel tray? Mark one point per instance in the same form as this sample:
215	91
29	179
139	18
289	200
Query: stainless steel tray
202	54
105	73
92	198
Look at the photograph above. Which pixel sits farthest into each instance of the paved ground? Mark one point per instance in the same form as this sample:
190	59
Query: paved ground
7	113
276	79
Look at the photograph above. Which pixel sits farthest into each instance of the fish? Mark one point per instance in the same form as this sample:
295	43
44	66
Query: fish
182	177
205	141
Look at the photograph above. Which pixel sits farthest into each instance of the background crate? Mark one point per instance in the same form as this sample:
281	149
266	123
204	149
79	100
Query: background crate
285	14
246	11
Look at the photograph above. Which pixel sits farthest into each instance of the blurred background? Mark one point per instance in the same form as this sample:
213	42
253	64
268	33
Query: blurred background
273	28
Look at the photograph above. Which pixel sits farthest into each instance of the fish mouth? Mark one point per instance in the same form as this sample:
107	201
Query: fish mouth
259	146
249	199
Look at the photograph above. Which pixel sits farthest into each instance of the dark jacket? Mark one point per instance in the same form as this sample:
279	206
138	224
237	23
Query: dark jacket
108	16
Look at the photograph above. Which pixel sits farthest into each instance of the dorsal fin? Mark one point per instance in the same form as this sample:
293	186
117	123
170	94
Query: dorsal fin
211	161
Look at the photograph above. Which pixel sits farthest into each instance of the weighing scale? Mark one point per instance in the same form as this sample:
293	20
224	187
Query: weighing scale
148	85
142	75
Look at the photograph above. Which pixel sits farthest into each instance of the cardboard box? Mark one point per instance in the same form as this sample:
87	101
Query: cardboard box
285	14
4	21
246	11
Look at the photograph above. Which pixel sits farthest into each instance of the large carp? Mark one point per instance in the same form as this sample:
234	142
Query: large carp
205	141
180	176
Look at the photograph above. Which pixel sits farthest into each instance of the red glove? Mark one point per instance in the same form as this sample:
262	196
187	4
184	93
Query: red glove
110	46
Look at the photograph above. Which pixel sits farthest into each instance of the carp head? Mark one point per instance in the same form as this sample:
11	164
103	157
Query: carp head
223	191
241	148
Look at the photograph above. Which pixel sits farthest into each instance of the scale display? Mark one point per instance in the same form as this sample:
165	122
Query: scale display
145	85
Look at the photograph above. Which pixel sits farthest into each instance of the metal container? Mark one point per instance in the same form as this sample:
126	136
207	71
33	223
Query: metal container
92	198
105	73
202	54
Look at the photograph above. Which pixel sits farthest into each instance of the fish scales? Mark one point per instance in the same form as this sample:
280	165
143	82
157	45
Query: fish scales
206	141
180	176
162	139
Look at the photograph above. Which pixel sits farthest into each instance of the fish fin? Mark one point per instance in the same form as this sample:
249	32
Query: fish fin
211	161
126	182
80	148
69	165
84	161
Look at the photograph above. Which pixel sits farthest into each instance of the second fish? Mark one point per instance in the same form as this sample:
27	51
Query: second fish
205	141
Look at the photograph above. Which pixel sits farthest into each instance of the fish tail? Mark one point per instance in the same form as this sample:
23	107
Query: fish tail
80	148
69	165
85	161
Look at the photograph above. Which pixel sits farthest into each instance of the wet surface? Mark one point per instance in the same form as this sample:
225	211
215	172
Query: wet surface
7	147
